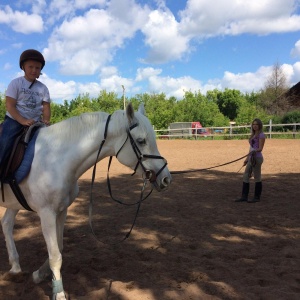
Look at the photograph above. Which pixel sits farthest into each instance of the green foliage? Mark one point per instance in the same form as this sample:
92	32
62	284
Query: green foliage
248	112
160	110
291	117
229	102
106	101
252	98
2	107
196	107
215	109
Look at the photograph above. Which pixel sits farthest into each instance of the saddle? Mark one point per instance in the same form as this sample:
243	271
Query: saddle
18	150
15	159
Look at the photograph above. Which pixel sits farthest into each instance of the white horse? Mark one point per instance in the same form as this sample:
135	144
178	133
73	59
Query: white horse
63	152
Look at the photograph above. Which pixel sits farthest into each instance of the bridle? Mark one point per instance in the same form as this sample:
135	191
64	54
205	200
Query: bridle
148	175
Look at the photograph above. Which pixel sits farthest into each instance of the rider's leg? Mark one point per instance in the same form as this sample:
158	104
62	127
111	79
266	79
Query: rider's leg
10	130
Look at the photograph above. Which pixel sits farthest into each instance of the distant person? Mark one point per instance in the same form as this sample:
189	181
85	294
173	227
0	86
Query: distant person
27	101
253	163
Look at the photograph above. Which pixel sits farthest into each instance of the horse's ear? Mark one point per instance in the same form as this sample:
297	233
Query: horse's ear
130	112
142	109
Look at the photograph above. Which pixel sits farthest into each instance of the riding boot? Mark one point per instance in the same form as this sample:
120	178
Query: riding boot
245	192
257	192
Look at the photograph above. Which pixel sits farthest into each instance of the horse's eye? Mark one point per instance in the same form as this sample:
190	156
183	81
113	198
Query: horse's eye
141	141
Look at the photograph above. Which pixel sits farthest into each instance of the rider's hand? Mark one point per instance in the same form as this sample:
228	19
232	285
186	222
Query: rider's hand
46	122
27	122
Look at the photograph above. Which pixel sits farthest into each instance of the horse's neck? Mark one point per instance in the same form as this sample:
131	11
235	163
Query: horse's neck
76	141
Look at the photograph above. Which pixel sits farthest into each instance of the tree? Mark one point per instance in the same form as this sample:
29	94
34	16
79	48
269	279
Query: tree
160	110
196	107
248	112
2	107
107	101
272	97
229	102
291	117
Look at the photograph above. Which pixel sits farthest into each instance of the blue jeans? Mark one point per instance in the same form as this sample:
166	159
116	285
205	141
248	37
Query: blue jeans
10	130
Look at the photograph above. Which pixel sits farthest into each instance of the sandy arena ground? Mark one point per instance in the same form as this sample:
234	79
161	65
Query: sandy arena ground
192	242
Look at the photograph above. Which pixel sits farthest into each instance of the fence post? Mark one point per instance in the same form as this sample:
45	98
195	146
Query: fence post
294	131
270	128
230	128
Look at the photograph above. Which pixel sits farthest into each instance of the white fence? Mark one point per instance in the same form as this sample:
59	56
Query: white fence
232	131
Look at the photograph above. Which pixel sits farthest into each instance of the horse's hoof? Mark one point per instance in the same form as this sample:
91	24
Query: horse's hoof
60	296
36	278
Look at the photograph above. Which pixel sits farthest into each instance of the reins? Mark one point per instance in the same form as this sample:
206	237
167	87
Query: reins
148	175
204	169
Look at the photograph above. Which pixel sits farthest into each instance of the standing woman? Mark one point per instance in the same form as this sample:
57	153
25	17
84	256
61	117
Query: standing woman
253	162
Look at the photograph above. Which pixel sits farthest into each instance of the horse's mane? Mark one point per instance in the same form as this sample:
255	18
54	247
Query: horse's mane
89	125
86	124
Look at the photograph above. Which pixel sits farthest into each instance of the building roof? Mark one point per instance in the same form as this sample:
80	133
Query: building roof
293	95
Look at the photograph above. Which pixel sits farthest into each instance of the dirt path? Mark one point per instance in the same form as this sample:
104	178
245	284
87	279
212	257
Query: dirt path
192	242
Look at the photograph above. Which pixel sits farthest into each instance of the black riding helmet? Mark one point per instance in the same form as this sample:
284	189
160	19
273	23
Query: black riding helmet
33	55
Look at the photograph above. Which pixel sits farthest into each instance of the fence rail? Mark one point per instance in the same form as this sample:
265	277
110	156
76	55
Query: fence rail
230	132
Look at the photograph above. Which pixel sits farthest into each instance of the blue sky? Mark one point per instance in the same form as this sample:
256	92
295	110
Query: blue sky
162	46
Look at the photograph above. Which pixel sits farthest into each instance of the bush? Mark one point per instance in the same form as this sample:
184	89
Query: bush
290	118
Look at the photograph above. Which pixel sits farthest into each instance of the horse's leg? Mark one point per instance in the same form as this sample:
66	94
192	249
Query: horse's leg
8	222
60	225
44	271
49	229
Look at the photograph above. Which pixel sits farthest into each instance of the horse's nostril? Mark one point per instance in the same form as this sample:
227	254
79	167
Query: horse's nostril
165	181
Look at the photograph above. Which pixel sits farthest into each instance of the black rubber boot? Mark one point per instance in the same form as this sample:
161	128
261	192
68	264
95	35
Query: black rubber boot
245	193
257	192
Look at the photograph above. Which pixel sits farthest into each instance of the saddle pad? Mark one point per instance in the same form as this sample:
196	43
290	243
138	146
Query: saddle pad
25	165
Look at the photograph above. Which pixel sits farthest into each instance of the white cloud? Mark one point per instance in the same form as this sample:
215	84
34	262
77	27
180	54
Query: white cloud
21	21
173	86
91	88
85	43
294	75
114	83
288	71
296	50
145	73
66	9
246	82
59	90
7	67
111	81
38	6
83	4
149	80
163	38
108	71
204	19
169	39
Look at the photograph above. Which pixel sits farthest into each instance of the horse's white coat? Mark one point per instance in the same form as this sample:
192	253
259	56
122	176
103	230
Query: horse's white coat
63	152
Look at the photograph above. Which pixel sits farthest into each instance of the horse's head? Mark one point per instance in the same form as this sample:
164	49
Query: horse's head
140	149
